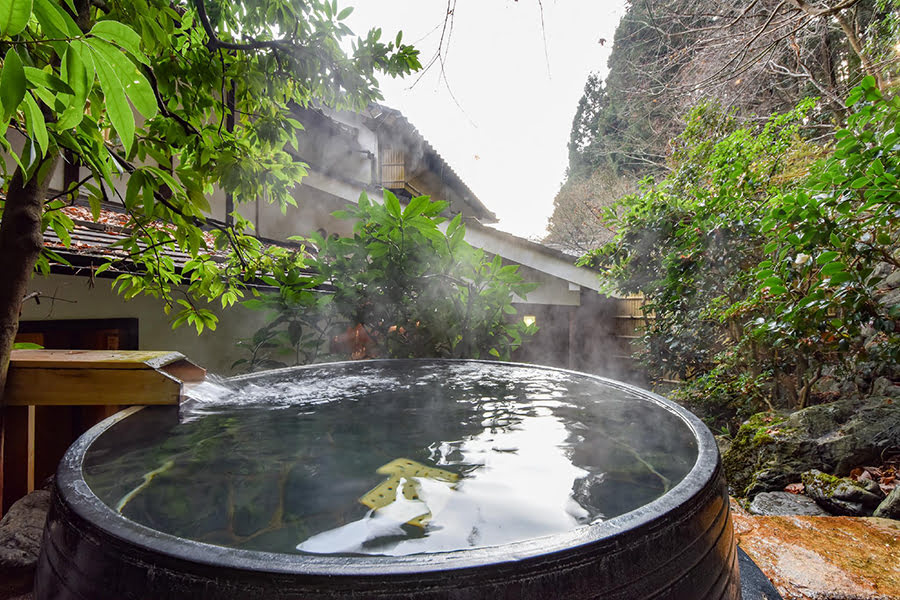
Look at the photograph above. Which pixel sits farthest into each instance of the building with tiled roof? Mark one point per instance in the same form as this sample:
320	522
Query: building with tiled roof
347	154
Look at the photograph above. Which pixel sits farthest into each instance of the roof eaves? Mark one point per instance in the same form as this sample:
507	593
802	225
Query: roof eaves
378	112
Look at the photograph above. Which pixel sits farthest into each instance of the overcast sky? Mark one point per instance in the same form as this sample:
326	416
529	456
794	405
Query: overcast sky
502	118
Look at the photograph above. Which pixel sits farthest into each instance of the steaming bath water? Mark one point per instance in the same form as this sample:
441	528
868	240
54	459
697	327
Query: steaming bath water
436	457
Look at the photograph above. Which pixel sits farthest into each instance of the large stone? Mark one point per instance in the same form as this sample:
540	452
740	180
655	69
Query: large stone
892	281
890	506
824	558
891	298
783	503
770	451
20	542
885	387
841	495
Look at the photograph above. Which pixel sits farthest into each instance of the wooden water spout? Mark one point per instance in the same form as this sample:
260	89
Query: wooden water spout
53	396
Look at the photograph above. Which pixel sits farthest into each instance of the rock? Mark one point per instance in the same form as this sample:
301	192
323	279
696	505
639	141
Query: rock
20	541
891	298
871	485
783	503
890	506
840	495
824	558
771	450
891	281
885	387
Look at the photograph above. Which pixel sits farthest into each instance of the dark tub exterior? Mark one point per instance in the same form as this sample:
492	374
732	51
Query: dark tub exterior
679	547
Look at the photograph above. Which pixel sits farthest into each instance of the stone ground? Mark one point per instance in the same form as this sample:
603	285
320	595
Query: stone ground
824	558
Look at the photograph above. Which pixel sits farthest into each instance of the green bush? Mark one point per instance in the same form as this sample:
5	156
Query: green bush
763	256
831	243
402	287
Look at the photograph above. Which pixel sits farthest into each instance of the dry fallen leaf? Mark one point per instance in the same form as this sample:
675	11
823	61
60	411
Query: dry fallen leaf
794	488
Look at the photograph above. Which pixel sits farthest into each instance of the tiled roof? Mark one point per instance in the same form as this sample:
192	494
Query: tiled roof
94	242
98	239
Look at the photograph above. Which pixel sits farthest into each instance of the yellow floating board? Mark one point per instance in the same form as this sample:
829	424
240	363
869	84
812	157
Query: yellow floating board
401	472
404	467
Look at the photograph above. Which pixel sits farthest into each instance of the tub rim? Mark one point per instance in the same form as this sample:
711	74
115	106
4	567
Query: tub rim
74	491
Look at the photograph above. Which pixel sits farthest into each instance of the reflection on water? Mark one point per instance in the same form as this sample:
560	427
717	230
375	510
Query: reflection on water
368	460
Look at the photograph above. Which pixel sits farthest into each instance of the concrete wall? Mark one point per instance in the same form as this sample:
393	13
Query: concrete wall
215	350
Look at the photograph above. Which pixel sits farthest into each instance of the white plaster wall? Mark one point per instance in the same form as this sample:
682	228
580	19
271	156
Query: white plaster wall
551	290
214	350
313	211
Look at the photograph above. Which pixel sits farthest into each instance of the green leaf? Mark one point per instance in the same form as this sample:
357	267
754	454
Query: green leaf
345	13
117	107
854	96
833	267
77	70
26	345
876	168
867	83
133	188
137	88
884	239
840	277
55	22
12	84
392	203
35	124
826	257
121	35
415	207
60	229
860	182
14	15
47	80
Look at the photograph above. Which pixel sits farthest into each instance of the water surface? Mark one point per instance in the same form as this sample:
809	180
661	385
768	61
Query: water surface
364	459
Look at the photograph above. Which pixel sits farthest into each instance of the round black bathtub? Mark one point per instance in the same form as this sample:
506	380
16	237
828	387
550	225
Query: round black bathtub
152	505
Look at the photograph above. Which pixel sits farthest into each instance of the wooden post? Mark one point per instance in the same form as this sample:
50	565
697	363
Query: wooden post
572	337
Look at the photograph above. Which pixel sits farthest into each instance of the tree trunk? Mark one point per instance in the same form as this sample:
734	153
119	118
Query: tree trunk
21	242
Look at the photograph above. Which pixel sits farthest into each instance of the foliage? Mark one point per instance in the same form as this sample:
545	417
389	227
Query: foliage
688	242
75	73
403	287
763	257
832	243
293	333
